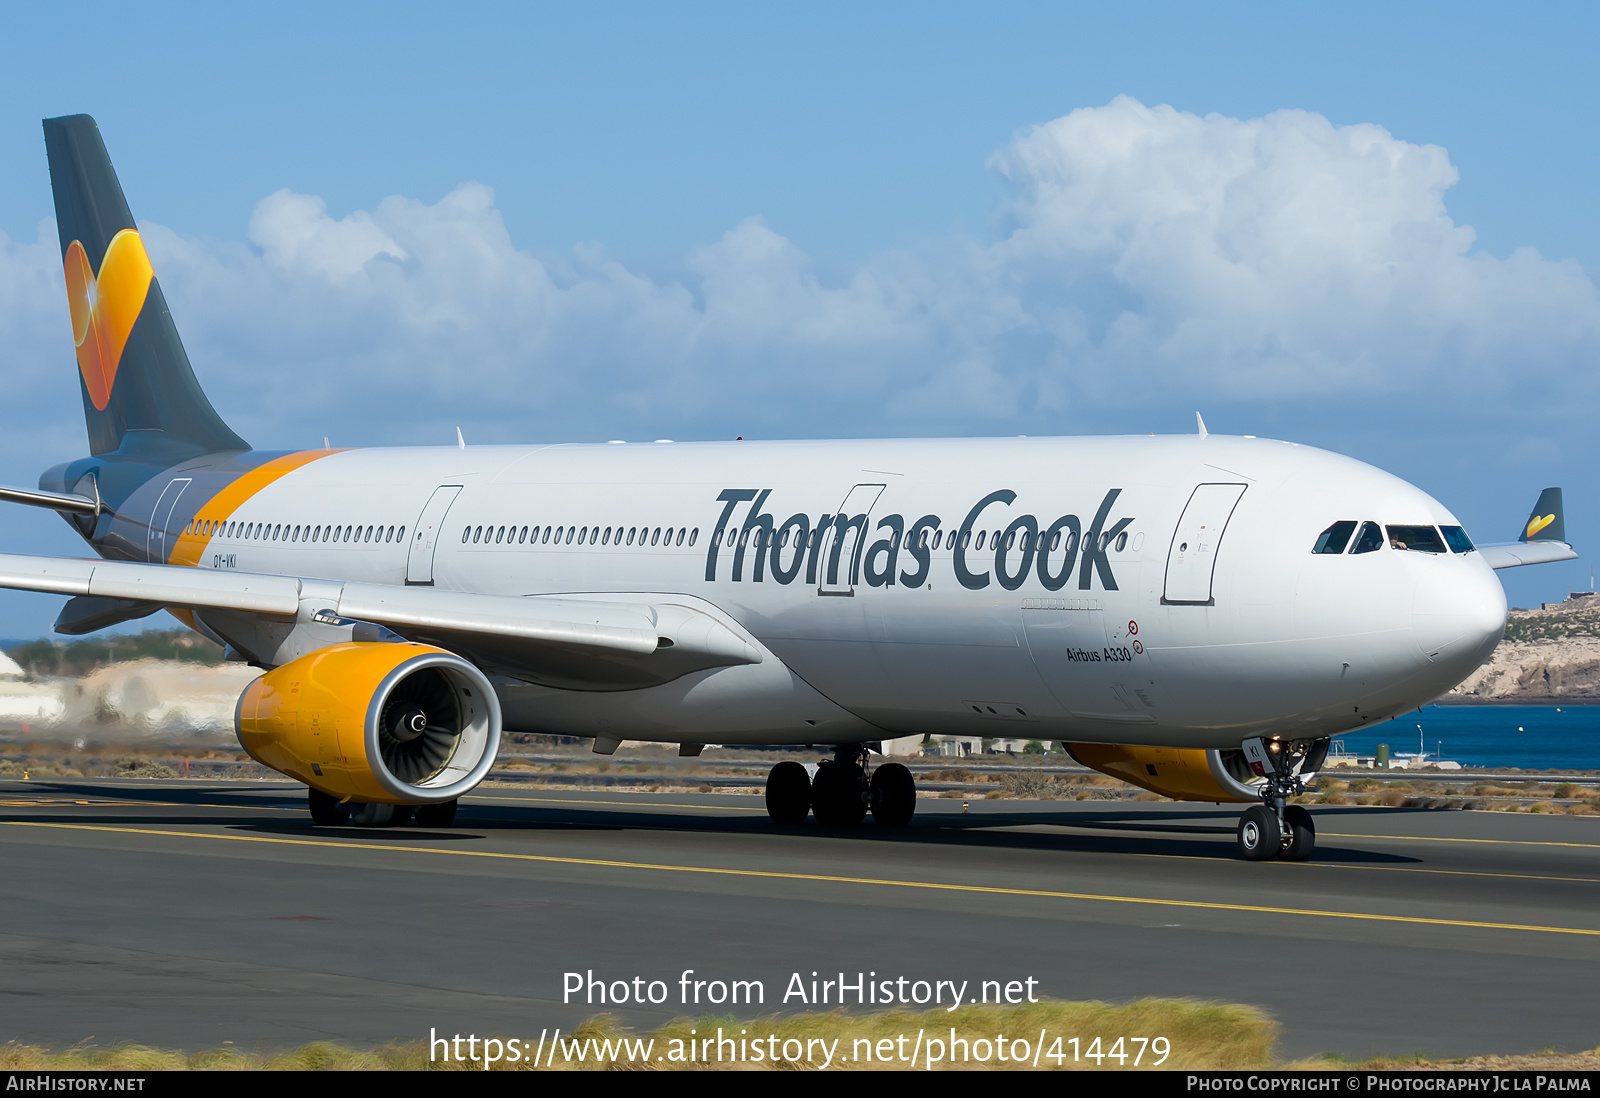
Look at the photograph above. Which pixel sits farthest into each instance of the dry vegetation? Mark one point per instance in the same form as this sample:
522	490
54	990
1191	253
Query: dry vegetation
1217	1036
1548	1060
121	761
1576	617
1034	786
1567	798
1203	1036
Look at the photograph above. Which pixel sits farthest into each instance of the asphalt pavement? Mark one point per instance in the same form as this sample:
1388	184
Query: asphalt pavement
189	914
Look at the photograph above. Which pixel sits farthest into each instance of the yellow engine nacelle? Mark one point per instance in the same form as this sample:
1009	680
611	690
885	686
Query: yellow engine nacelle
387	723
1184	774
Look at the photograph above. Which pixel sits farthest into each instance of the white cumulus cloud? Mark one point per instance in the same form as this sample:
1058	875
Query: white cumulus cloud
1278	256
1148	257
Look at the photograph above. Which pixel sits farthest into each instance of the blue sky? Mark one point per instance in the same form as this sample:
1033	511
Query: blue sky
700	221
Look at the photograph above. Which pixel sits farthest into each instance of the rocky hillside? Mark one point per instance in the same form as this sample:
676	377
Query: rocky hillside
1548	654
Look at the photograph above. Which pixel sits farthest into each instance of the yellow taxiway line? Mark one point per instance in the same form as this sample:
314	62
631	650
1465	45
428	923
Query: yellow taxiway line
1451	839
488	801
767	874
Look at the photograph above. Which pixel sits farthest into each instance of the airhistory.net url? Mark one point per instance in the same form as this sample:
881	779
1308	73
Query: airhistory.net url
922	1049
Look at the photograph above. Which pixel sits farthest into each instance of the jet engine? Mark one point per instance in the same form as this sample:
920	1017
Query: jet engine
1192	774
1184	774
383	723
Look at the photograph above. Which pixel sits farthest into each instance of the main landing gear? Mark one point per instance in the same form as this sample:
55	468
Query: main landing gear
329	811
1275	828
842	793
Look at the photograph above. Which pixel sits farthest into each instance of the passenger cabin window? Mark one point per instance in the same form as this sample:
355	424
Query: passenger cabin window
1335	538
1421	539
1370	540
1457	539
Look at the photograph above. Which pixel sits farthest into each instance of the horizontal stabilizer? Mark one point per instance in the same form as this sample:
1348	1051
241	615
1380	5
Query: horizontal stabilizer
91	613
55	501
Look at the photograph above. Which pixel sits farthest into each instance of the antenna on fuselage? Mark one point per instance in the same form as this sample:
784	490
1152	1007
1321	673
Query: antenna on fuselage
1202	425
460	439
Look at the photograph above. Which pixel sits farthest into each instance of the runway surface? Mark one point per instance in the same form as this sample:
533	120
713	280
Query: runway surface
188	914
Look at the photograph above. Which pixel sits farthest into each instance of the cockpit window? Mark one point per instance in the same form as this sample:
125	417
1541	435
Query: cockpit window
1422	539
1335	538
1370	540
1457	539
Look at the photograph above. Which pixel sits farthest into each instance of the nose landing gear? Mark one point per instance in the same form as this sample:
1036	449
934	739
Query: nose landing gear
1275	828
842	793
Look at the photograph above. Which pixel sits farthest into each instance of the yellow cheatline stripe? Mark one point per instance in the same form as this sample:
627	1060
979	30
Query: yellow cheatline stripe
233	495
769	874
1449	839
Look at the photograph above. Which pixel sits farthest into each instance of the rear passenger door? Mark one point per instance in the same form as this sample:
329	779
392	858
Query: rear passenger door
425	537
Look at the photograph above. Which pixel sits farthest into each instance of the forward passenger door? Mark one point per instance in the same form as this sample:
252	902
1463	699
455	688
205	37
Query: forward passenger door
1192	557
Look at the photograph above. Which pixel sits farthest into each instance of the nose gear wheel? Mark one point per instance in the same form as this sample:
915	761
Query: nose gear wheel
1275	828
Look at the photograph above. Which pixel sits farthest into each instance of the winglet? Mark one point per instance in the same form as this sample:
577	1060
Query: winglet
1547	522
1202	425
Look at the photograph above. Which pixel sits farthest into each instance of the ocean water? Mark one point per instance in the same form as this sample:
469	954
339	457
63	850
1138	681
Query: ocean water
1528	737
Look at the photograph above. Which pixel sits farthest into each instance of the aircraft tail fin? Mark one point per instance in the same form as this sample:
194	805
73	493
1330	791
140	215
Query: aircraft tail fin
1548	522
138	388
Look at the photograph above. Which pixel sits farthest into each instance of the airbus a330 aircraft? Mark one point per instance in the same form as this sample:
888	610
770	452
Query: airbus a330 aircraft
1197	615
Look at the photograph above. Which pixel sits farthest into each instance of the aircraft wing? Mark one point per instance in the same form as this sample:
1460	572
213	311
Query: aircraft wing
1542	540
1529	552
566	641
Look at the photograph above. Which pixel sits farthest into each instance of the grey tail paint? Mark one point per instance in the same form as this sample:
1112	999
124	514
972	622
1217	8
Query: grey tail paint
1548	522
140	395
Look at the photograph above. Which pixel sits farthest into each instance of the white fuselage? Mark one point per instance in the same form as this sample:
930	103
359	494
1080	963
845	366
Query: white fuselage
1245	632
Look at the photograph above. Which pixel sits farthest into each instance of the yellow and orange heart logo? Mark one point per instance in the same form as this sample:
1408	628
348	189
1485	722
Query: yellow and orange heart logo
105	306
1536	524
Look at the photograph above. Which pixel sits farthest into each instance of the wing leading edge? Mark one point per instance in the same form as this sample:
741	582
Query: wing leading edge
601	643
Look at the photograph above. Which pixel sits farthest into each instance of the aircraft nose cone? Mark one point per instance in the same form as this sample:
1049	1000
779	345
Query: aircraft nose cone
1458	614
